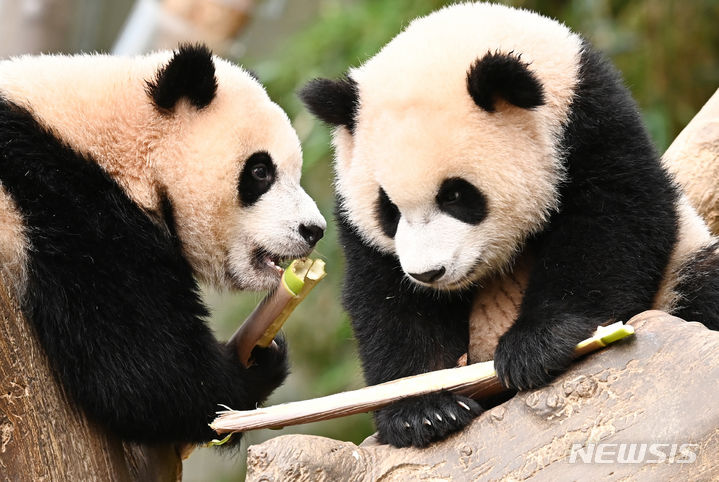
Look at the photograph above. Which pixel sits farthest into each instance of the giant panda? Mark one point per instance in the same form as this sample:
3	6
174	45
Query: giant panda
485	143
124	181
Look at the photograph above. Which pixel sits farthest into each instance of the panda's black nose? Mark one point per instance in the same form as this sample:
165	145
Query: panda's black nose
429	276
312	233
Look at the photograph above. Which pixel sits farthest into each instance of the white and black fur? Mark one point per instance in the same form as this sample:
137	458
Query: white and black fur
479	135
122	180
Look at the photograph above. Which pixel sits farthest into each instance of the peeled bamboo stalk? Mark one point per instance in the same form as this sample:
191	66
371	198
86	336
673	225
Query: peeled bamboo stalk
477	381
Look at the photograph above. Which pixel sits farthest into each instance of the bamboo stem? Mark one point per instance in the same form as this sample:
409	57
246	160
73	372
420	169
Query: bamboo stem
477	381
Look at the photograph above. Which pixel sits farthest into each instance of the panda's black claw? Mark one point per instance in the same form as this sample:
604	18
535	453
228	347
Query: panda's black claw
418	421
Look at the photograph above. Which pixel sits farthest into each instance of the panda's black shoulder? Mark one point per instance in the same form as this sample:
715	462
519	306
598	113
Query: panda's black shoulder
604	137
63	192
92	249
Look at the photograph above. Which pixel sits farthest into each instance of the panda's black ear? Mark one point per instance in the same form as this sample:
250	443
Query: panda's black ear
505	76
189	74
332	101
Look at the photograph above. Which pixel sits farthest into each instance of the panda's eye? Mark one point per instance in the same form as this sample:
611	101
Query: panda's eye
260	172
256	177
462	200
450	197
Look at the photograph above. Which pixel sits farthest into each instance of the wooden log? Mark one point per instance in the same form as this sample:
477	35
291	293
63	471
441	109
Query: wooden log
693	158
43	436
656	388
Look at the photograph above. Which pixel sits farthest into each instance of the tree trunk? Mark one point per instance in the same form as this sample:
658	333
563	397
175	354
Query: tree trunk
43	436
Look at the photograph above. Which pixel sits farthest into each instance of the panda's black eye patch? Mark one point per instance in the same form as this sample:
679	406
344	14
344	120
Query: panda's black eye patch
461	200
388	214
256	178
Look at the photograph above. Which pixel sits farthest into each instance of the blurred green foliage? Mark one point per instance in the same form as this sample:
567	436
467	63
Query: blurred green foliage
668	52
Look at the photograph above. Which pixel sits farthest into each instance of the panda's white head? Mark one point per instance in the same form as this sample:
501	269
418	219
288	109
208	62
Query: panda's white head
193	139
447	140
240	209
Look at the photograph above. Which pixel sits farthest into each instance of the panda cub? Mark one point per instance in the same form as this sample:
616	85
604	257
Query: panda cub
482	139
122	181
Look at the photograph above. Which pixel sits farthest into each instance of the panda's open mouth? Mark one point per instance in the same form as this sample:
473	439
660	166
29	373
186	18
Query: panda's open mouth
265	260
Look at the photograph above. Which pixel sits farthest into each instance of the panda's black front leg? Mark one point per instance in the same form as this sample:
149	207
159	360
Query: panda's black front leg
590	270
539	347
404	330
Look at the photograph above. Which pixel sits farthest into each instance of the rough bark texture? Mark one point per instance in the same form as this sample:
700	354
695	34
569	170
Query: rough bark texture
693	157
659	387
42	436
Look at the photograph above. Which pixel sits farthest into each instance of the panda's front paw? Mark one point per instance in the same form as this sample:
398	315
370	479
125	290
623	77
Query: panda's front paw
418	421
525	360
269	367
272	358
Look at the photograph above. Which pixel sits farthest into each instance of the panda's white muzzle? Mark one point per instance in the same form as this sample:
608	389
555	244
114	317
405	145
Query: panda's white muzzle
283	224
436	249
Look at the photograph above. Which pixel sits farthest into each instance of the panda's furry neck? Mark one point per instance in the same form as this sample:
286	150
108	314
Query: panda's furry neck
65	198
